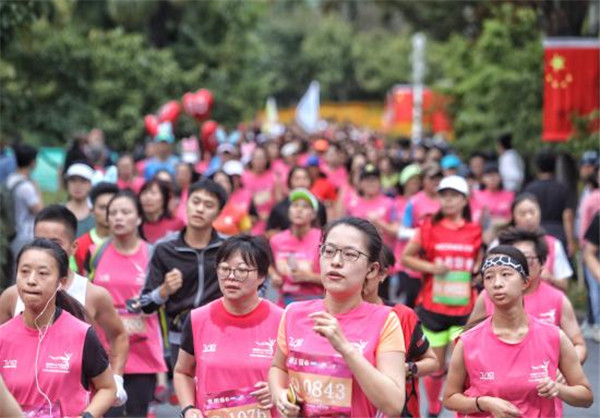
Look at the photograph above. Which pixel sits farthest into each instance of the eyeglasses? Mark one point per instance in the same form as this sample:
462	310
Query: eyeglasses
531	258
240	274
348	254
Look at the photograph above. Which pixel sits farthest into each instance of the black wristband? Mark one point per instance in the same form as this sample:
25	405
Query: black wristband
87	414
184	410
477	404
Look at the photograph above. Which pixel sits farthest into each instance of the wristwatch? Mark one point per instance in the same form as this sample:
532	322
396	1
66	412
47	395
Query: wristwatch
184	410
412	369
87	414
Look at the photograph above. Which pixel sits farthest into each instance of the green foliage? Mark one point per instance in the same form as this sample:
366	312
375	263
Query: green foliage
496	81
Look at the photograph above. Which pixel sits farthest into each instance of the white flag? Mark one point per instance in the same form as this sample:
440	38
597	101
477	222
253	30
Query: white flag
307	112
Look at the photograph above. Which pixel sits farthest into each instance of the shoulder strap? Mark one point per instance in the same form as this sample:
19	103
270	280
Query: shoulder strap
98	253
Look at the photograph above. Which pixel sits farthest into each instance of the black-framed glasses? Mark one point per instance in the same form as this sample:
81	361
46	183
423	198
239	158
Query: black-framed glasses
348	253
239	273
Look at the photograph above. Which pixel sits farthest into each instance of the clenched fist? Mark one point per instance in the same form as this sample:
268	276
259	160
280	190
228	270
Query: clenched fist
173	282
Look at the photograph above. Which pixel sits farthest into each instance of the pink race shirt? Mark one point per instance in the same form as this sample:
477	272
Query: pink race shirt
544	303
319	373
232	353
153	231
532	360
422	205
497	203
124	276
290	253
134	185
400	203
338	176
59	366
381	207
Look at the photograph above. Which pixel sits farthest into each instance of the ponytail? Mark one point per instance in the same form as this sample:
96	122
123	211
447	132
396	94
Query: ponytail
71	305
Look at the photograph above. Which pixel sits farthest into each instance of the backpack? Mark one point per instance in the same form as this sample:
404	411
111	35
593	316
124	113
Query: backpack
8	221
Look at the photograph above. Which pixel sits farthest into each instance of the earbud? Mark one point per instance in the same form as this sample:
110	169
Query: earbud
59	287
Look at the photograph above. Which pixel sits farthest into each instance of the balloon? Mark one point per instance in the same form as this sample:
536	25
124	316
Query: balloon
169	112
151	122
199	104
208	135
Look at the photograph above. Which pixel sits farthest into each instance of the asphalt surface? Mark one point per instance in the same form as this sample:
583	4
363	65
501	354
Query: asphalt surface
591	367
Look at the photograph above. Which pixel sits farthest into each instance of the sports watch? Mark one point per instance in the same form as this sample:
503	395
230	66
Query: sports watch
184	410
412	368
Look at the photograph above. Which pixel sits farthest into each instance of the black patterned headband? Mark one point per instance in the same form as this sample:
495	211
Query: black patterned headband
503	260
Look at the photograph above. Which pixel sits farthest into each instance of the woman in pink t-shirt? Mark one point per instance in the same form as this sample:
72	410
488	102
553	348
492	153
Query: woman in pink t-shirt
127	178
228	345
341	356
296	251
506	365
158	221
120	266
51	357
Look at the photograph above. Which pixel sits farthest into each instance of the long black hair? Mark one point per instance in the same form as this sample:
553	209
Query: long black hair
374	241
63	299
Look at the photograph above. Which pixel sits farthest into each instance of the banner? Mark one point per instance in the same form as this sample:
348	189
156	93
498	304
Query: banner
571	84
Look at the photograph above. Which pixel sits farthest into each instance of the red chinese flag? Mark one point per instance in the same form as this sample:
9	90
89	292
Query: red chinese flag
571	84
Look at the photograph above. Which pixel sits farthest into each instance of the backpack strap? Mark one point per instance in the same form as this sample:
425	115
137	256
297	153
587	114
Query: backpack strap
98	253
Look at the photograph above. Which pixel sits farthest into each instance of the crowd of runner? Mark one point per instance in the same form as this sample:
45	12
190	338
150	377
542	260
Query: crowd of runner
298	275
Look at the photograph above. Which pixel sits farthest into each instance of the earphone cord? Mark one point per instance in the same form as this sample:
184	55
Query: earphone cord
41	334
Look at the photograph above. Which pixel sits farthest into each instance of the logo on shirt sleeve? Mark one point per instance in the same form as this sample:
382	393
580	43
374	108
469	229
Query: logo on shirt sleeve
58	364
265	349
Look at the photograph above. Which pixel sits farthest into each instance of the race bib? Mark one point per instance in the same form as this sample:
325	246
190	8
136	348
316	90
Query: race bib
237	403
452	289
324	384
42	411
134	324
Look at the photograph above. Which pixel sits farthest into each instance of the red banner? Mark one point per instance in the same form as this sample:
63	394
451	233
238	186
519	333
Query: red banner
571	84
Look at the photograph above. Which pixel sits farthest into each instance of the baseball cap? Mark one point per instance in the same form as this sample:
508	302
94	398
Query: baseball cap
450	161
305	194
456	183
80	170
369	170
409	172
289	149
589	157
312	161
233	168
165	133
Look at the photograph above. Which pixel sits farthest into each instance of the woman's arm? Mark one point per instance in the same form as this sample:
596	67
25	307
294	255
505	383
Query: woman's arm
383	385
576	391
411	260
478	311
570	326
104	394
8	405
426	364
590	257
278	385
185	385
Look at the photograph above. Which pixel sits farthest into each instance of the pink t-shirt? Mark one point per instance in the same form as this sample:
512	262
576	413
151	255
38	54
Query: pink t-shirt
380	207
589	206
182	206
311	360
497	203
232	352
290	252
135	184
241	199
487	359
282	170
153	231
399	245
59	365
124	276
423	205
544	304
261	187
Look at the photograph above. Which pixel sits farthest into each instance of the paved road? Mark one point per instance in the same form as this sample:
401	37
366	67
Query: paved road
592	370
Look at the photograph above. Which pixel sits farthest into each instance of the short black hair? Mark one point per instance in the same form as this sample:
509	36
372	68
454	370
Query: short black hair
255	251
60	214
545	161
512	235
102	188
211	187
505	140
24	154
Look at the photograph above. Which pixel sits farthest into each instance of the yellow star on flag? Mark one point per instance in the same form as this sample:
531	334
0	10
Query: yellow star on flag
557	62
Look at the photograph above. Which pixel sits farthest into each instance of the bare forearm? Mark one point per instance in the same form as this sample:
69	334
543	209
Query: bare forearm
185	388
101	402
119	348
462	404
576	395
567	219
381	390
590	256
581	350
278	381
415	263
426	366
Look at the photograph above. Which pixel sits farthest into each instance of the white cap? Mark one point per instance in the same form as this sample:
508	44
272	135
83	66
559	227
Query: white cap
290	149
80	170
233	168
456	183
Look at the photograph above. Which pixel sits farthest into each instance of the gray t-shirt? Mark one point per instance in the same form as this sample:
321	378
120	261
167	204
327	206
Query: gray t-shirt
25	197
